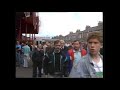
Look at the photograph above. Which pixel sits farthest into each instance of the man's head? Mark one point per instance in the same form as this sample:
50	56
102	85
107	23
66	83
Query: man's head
76	45
94	43
18	42
44	43
57	45
48	44
23	44
62	43
30	43
26	43
40	46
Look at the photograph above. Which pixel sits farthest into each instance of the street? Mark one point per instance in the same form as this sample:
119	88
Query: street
22	72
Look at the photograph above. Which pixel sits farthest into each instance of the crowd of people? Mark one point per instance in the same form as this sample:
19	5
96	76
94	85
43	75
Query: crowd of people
61	59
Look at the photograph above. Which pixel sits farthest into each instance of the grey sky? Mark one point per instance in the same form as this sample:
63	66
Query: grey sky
56	23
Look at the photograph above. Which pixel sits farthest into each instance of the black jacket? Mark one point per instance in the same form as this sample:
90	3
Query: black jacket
49	62
64	50
37	56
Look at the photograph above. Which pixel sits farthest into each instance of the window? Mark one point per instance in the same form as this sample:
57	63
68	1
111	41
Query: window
69	38
80	36
74	36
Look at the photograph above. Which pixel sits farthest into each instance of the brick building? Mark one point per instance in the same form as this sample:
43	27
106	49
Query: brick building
26	23
82	35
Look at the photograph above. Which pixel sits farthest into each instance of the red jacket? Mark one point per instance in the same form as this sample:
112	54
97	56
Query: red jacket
71	53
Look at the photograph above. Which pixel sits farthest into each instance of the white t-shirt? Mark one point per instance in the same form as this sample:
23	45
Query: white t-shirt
98	66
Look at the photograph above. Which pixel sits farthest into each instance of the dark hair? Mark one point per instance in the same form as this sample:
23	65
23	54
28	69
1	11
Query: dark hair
56	42
43	43
76	41
26	43
95	35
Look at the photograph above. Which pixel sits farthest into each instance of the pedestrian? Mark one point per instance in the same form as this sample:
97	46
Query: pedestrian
37	59
18	53
56	61
26	51
75	54
64	50
70	46
44	47
91	65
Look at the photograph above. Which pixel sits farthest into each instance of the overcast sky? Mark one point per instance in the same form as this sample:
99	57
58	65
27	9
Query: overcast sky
56	23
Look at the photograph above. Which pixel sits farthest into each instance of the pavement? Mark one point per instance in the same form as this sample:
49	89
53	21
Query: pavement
22	72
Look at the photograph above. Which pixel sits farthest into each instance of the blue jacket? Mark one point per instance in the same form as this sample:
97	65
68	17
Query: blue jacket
69	65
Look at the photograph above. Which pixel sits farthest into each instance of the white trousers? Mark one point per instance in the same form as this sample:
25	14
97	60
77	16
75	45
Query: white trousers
26	59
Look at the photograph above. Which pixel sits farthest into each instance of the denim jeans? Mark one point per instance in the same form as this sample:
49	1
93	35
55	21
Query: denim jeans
18	57
22	59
